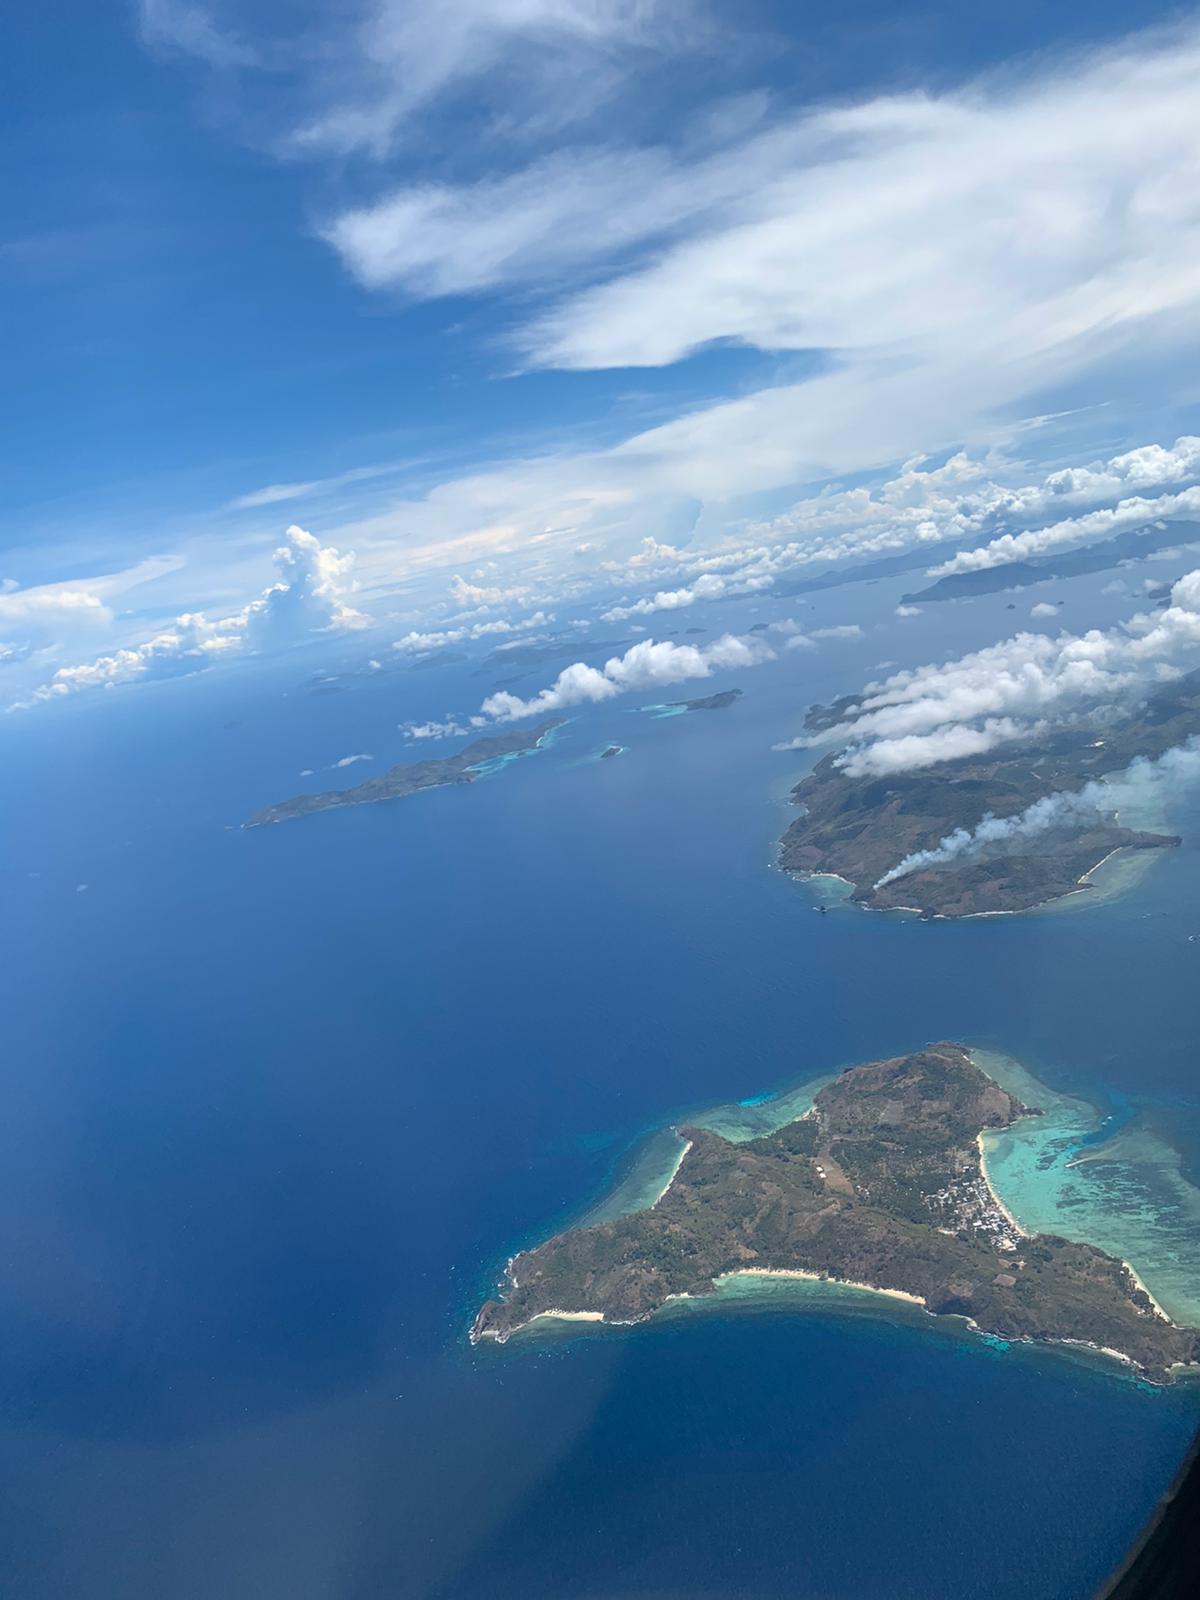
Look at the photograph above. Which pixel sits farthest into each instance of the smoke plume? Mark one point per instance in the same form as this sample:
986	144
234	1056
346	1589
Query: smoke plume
1143	782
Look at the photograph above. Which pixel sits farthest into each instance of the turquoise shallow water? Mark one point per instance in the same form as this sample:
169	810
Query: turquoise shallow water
262	1155
1105	1178
1064	1172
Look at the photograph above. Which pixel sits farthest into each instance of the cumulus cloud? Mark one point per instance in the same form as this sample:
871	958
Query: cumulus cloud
1044	609
348	761
78	603
1127	513
480	594
710	586
308	597
908	611
992	696
448	729
922	503
1142	783
647	664
49	606
420	643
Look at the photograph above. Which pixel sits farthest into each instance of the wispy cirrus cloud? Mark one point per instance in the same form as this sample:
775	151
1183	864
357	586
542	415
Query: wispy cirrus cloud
354	81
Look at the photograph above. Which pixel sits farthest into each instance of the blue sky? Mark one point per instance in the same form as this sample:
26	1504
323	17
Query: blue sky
526	282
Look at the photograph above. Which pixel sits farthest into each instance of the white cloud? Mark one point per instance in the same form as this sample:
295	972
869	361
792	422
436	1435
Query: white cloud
50	605
348	761
1142	783
935	224
946	270
449	729
527	226
647	664
908	611
419	643
843	630
77	602
310	594
335	83
1044	609
308	597
185	28
273	494
995	695
710	586
1127	513
476	594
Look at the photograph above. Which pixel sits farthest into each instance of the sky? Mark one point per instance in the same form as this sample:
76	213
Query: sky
411	321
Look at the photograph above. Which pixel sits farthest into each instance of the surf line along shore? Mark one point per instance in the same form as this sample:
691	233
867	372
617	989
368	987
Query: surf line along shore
1026	1234
552	1314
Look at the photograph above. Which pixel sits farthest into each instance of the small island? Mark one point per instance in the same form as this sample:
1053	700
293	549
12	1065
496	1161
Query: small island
861	828
465	767
612	750
880	1185
707	702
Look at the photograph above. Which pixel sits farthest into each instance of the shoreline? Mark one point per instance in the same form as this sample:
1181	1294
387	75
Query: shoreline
800	1274
991	1188
682	1157
805	1276
1157	1308
1081	886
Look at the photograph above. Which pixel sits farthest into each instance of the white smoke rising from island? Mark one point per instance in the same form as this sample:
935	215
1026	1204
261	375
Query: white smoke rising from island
1145	780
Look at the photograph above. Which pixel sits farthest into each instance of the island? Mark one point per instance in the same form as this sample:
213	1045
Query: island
880	1185
612	750
465	767
1136	544
707	702
861	828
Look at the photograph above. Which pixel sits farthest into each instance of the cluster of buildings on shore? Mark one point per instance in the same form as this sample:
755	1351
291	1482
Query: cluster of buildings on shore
966	1204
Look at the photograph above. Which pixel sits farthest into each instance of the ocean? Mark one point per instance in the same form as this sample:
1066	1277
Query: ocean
279	1104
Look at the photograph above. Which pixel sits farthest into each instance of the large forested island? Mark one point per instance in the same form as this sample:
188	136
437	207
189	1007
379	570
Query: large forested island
464	767
861	828
881	1185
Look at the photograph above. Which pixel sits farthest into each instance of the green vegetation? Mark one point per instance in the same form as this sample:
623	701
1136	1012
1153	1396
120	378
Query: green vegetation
708	702
404	780
860	828
880	1184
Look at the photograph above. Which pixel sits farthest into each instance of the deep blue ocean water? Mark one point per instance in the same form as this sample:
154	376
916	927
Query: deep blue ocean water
279	1103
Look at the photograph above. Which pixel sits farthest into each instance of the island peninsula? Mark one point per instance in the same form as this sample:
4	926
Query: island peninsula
880	1185
861	828
465	767
707	702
